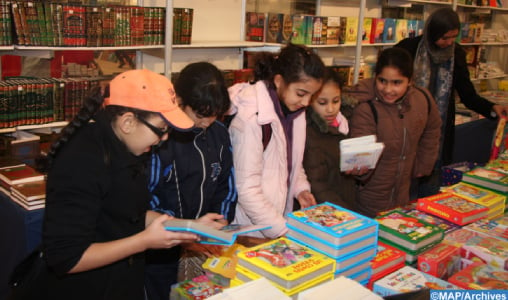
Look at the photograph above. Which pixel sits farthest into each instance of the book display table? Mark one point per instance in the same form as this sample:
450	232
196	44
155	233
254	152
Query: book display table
20	233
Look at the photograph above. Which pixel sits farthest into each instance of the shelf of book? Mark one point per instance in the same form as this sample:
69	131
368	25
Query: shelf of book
34	126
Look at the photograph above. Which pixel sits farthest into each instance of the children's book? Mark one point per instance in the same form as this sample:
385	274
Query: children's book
447	226
224	264
355	259
198	288
351	30
479	276
359	152
453	208
407	231
255	24
488	198
19	174
208	235
332	223
500	165
349	289
411	256
497	227
376	34
409	279
486	249
333	30
389	31
286	263
400	29
440	261
460	236
387	257
367	28
274	28
487	178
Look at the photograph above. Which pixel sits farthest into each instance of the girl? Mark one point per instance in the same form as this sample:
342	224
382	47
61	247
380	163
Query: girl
326	127
96	225
269	178
406	120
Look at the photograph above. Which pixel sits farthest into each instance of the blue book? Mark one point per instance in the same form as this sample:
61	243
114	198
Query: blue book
332	223
389	33
355	260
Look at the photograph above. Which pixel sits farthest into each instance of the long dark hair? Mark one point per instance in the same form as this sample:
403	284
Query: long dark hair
395	57
440	22
291	63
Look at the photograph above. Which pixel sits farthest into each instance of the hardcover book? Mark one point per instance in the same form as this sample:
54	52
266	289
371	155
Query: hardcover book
460	236
487	178
30	191
332	223
447	226
441	261
407	231
490	199
452	208
19	174
359	152
481	276
286	263
389	31
356	259
208	235
486	249
500	165
497	227
386	258
409	279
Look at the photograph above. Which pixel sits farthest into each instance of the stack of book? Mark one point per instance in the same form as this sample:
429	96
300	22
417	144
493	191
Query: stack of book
447	226
453	208
408	233
409	279
481	276
290	266
487	178
23	185
387	260
493	201
441	261
497	228
345	236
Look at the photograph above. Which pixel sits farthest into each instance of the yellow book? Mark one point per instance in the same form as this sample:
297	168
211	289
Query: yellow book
224	264
367	28
351	30
400	30
478	195
286	263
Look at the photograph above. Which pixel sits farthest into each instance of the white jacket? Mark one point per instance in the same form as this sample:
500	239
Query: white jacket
262	176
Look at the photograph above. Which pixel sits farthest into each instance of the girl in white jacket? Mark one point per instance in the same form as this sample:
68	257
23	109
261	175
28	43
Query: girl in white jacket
268	137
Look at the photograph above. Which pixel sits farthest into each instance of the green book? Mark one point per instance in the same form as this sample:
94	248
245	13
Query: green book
488	178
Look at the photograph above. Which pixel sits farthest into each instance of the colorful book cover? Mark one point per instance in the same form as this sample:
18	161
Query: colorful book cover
496	227
452	208
332	223
441	261
351	30
500	165
367	28
285	262
486	249
487	178
287	28
460	236
386	257
407	231
400	29
274	28
333	31
480	277
447	226
254	26
409	279
198	288
390	31
318	25
477	195
376	34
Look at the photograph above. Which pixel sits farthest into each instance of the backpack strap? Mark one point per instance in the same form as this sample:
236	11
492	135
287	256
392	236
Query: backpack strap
266	130
426	97
374	111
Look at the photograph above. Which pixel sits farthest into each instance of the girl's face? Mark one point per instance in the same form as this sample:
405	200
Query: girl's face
326	103
140	135
391	84
447	39
298	94
199	121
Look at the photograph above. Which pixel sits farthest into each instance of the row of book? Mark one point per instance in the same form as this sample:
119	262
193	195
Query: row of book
23	185
43	100
326	30
484	3
57	24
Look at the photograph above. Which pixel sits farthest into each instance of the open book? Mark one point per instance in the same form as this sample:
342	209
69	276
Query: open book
208	235
360	152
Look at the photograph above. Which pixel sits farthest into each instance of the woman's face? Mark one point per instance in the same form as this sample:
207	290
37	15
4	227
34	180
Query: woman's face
326	103
139	137
298	94
447	39
199	121
391	84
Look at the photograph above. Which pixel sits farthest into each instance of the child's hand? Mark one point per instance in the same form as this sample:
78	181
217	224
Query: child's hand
358	171
306	199
213	220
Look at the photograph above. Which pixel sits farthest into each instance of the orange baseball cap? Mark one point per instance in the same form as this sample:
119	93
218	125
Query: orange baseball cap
146	90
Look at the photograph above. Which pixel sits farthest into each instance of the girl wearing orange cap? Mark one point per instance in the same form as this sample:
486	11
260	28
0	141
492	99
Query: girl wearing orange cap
97	224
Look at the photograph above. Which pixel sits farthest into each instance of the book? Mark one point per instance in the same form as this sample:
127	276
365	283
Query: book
460	236
287	28
400	29
197	288
480	276
487	178
349	289
318	30
407	231
274	28
386	258
452	208
255	26
356	260
367	28
286	263
359	152
333	30
411	255
332	223
487	249
351	31
19	174
440	261
447	226
389	30
487	198
409	279
302	29
208	235
497	227
376	34
30	191
500	165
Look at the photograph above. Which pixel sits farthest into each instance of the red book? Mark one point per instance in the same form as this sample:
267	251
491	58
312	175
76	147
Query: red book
440	261
480	276
487	249
19	174
452	208
386	258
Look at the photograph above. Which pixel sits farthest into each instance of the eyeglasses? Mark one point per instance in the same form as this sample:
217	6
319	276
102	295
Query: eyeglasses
158	132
